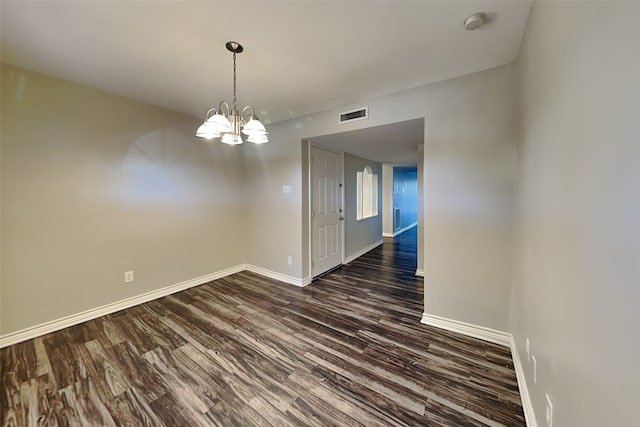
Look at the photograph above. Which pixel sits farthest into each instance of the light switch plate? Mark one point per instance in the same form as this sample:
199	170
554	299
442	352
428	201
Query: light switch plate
286	189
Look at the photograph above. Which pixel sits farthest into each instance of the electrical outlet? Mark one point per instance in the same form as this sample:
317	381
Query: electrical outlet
128	276
549	411
535	369
527	347
290	260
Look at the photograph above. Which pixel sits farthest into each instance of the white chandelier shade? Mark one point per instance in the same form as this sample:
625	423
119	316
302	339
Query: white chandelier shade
254	127
258	139
231	139
227	123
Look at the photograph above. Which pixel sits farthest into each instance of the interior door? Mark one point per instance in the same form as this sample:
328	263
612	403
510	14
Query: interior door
327	217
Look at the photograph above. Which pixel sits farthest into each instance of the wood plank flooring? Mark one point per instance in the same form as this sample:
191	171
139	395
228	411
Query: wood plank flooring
347	350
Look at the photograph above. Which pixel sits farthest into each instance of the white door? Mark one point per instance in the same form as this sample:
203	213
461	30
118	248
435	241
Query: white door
327	217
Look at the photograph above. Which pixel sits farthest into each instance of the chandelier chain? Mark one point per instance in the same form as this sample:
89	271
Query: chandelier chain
234	81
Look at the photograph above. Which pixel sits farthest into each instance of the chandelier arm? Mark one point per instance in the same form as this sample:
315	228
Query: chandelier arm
225	104
206	116
248	107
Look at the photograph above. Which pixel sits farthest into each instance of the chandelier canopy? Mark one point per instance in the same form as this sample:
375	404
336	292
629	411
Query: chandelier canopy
227	123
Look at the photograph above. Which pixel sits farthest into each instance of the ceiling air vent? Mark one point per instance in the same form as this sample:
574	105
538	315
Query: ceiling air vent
353	115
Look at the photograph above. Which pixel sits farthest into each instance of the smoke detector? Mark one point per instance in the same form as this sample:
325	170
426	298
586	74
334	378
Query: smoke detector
475	21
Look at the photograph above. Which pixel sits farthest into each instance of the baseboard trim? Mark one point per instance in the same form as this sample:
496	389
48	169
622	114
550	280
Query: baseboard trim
387	234
278	276
527	406
497	337
307	281
475	331
74	319
362	251
419	273
402	230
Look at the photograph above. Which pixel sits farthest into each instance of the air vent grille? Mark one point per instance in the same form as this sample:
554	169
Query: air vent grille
353	115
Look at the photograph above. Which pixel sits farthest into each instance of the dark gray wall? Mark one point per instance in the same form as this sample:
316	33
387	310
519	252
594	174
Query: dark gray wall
360	234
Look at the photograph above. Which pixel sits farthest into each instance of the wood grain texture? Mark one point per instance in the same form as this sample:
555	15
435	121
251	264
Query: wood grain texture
347	350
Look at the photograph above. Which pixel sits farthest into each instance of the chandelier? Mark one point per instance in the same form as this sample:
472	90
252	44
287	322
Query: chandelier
227	123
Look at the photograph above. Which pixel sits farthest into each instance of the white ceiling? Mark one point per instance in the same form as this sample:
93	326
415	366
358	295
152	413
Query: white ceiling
300	57
394	143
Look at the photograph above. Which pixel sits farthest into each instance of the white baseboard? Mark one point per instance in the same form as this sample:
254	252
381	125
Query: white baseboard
497	337
475	331
307	281
527	406
74	319
278	276
387	234
419	273
362	251
402	230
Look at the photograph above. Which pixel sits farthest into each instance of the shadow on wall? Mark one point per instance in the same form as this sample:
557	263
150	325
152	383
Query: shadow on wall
166	165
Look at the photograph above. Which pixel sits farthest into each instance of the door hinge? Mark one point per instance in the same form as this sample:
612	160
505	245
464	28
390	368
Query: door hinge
340	184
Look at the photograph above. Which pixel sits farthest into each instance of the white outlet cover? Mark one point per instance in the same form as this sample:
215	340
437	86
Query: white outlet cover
549	411
286	189
128	276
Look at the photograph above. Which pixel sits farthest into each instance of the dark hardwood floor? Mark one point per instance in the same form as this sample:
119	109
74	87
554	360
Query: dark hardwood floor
246	350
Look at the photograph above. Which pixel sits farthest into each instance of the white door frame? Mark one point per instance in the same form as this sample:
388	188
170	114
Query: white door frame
309	202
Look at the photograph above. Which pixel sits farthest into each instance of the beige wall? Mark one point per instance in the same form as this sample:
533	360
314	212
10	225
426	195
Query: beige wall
359	234
386	208
469	155
576	290
305	200
195	208
469	173
274	219
421	249
94	185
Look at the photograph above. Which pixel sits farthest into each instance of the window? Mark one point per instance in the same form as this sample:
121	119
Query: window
367	193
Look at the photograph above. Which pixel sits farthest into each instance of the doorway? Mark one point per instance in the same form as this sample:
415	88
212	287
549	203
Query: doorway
396	144
327	215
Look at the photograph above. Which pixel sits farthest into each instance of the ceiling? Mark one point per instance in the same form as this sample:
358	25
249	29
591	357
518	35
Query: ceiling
394	143
300	57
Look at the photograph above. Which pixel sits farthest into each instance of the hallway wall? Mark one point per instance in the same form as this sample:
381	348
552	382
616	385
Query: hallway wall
387	200
469	145
405	196
576	290
359	234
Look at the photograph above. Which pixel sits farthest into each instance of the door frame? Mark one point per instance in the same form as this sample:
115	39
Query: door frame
309	203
